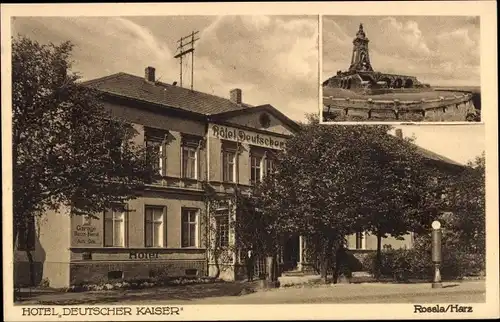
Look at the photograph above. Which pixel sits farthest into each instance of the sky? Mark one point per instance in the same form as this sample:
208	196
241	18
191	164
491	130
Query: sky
272	59
461	143
438	50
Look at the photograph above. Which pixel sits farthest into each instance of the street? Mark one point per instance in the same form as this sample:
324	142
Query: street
227	293
469	292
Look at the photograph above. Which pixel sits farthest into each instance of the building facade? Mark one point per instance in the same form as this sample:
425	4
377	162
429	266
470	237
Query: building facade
201	140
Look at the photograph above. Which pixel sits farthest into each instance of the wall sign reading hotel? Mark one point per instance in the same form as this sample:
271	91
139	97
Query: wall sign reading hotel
143	255
237	135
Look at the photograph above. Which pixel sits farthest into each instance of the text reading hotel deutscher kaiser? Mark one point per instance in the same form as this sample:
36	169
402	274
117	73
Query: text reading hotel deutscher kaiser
102	311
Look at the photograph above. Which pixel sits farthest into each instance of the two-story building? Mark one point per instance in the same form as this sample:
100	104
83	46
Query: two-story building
201	139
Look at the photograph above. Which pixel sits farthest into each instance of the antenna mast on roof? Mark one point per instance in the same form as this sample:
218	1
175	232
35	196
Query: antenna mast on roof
186	46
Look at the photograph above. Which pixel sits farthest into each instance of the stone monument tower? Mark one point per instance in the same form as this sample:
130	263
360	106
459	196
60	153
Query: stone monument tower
360	61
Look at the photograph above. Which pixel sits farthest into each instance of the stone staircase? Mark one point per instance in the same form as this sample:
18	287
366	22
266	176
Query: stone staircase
297	278
295	273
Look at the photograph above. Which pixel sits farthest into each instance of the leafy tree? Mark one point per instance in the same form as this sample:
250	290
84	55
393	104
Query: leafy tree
399	192
248	225
220	255
315	190
333	181
67	149
465	202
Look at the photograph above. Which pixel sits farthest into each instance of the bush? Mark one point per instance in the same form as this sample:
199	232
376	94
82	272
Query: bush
45	283
140	283
416	263
400	264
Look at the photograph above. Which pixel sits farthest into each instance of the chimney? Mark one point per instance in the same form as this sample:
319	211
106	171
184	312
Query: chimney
149	74
399	133
235	95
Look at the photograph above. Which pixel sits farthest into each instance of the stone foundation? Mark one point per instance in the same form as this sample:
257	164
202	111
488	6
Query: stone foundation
98	272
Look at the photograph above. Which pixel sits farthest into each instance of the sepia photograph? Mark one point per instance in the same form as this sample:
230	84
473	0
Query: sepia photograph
401	69
252	163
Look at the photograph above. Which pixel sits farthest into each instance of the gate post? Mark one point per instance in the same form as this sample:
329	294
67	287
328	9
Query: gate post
272	272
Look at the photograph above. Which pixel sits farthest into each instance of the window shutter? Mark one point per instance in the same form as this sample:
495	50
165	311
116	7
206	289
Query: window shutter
162	159
198	224
125	223
198	163
222	164
236	167
106	224
165	227
182	161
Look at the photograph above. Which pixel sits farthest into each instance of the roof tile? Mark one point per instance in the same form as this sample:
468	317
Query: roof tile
136	87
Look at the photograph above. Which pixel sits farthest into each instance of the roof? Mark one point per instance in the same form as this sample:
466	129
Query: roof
436	157
427	154
175	97
135	87
266	107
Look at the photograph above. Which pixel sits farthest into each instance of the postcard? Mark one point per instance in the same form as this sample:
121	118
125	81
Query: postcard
250	161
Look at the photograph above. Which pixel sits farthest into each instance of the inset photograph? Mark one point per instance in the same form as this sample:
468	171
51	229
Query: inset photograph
401	69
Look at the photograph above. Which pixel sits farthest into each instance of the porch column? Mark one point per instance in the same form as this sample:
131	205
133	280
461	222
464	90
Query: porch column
301	253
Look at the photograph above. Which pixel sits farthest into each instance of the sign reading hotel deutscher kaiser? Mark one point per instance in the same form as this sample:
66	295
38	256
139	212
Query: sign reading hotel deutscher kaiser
243	136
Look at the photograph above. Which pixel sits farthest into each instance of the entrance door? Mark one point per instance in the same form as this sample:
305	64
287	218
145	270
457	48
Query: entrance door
291	253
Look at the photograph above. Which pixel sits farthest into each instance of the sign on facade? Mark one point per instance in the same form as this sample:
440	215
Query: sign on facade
242	136
87	235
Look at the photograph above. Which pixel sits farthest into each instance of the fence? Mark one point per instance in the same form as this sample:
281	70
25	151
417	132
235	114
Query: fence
260	267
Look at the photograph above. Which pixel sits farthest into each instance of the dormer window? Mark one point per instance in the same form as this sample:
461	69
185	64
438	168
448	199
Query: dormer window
265	120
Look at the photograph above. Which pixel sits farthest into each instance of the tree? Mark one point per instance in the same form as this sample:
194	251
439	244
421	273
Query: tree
247	224
67	149
399	194
333	181
315	190
462	220
465	202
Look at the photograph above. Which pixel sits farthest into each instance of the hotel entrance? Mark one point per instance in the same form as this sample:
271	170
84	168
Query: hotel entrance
291	253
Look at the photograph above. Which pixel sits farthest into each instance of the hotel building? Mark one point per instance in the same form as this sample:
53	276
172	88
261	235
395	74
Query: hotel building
201	138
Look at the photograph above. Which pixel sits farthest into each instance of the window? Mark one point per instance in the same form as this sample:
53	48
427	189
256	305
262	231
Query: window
155	144
191	145
222	229
269	165
229	166
255	168
359	240
114	227
189	162
191	272
156	155
87	220
189	228
115	275
26	235
155	228
115	145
